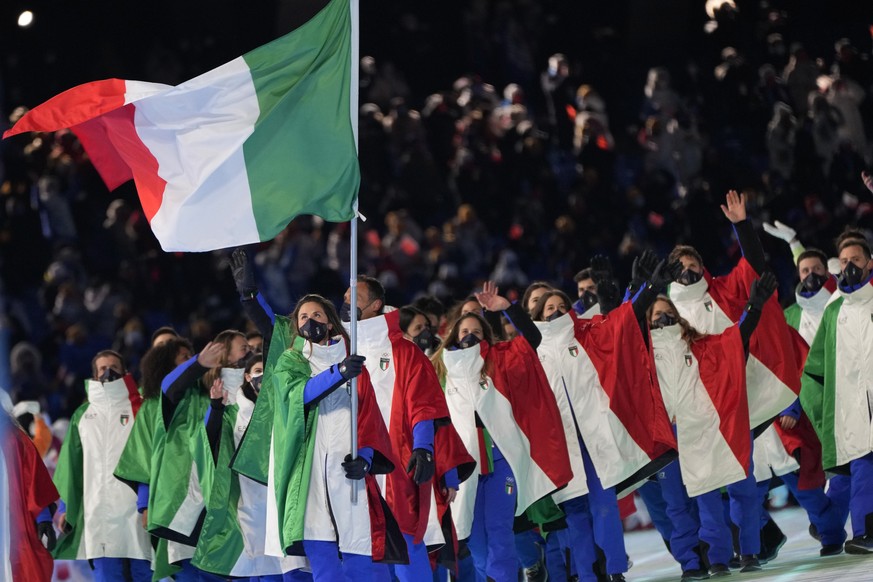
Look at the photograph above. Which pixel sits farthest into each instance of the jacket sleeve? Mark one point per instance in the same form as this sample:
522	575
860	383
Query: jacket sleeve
520	319
262	315
750	245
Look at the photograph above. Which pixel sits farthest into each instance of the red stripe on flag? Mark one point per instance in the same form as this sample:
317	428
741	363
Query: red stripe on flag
72	107
133	394
484	466
119	155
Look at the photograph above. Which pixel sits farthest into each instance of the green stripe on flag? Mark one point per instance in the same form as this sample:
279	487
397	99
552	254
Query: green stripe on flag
301	158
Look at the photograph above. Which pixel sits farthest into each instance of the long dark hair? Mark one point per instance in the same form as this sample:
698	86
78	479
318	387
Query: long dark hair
407	316
452	340
529	291
247	389
329	310
536	313
689	334
158	362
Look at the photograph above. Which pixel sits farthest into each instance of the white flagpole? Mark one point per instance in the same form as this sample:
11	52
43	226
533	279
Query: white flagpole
353	243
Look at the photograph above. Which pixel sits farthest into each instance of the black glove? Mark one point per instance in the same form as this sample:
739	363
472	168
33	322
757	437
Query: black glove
355	468
243	275
601	269
665	274
45	528
643	267
761	291
352	366
421	465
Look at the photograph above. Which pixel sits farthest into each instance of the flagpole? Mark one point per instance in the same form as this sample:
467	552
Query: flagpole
353	235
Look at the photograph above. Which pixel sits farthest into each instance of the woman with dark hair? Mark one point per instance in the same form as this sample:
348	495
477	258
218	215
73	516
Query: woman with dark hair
703	382
502	408
596	369
533	293
305	423
233	541
415	328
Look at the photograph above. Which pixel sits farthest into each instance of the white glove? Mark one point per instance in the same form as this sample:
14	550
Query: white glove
780	230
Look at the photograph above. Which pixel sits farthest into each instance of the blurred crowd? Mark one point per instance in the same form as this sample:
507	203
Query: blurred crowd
514	173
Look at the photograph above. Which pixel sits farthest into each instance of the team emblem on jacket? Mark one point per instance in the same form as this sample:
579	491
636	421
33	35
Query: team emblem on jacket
124	419
510	485
384	361
708	305
688	360
574	351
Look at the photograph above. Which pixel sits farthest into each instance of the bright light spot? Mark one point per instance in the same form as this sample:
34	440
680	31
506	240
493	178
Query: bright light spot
25	19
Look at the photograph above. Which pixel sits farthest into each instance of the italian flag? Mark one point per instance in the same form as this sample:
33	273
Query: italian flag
232	156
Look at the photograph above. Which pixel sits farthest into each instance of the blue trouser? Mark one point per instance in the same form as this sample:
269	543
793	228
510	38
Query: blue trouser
292	576
418	568
650	493
328	567
684	539
839	492
580	535
466	572
745	510
112	569
492	541
188	573
823	514
714	529
703	515
527	546
557	544
861	500
606	520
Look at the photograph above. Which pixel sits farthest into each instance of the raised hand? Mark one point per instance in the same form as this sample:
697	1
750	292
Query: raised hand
217	390
490	300
665	273
601	269
243	275
644	265
868	180
761	290
210	356
735	211
780	230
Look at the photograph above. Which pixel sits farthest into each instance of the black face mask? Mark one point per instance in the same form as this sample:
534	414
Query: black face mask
424	340
241	363
813	283
689	277
346	312
468	341
109	375
664	320
852	275
314	331
588	299
256	383
558	314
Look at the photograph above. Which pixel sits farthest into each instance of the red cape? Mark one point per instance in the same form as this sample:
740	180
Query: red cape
387	540
721	362
517	374
772	343
626	371
781	349
30	491
417	397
